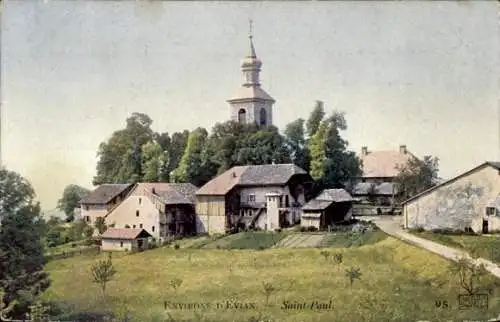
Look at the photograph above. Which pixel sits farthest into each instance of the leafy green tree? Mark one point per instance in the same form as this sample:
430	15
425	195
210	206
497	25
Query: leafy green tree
268	289
103	272
176	149
72	195
154	162
315	118
417	176
318	155
120	156
265	146
297	144
21	253
338	258
100	225
190	168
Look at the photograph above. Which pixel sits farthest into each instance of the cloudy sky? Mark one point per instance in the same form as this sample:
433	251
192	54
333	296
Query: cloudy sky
424	74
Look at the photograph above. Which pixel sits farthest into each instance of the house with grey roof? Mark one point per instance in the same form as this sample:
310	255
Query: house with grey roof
376	185
162	209
469	201
330	207
102	200
266	196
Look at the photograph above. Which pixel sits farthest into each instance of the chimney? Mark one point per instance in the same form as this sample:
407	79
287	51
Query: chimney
153	190
402	149
234	174
364	151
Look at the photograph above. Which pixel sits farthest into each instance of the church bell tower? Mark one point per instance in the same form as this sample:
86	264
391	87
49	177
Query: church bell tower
251	104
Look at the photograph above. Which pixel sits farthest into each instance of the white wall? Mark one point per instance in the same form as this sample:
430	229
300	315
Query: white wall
456	205
114	244
308	221
125	214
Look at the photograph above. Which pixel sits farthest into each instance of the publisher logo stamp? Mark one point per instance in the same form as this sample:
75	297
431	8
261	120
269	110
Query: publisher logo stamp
472	301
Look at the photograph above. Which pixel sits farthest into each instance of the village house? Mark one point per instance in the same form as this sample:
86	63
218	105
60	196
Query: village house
332	206
468	201
162	209
265	196
123	239
376	186
102	200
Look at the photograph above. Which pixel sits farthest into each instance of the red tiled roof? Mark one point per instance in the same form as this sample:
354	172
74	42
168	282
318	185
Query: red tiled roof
124	233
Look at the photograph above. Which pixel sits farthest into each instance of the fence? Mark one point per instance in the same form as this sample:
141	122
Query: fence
93	250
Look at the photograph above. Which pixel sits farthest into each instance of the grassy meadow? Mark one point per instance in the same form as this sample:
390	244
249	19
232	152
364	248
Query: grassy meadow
398	282
485	246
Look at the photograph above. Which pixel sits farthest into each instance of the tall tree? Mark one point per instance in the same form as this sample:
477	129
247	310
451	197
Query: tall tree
71	197
417	176
332	165
21	253
120	156
265	146
190	167
315	118
297	144
176	149
154	162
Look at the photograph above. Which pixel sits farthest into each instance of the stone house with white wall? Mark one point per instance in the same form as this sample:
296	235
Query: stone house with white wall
265	196
102	200
121	239
162	209
468	201
380	168
330	207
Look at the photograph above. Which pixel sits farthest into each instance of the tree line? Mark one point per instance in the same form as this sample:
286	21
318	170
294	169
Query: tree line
137	153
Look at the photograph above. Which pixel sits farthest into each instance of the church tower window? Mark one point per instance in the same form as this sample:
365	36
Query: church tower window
242	116
263	116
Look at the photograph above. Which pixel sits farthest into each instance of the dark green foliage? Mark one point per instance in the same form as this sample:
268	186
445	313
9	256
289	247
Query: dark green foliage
72	195
21	259
417	176
100	225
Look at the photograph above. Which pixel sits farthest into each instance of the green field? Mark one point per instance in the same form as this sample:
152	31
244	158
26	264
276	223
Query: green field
484	246
399	282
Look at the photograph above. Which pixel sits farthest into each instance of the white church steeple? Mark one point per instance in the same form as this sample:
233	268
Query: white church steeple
251	103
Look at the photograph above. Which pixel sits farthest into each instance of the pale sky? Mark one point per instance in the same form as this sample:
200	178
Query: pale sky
424	74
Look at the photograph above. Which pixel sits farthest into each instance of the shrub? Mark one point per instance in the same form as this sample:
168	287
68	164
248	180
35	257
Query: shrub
312	228
177	246
278	230
303	229
73	245
261	248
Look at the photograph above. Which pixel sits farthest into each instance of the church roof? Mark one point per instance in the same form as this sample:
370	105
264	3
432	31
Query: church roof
252	92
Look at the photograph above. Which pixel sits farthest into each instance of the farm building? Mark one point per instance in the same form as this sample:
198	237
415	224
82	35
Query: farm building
468	201
162	209
330	207
266	196
120	239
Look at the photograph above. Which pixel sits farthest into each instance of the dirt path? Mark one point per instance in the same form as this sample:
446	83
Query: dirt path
391	226
299	240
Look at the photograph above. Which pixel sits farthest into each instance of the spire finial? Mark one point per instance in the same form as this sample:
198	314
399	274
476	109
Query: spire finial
250	33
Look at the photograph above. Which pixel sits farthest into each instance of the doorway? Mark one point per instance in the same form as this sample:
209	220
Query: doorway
485	226
140	244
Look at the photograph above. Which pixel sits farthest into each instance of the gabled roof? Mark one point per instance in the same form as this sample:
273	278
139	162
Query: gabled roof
493	164
383	164
125	233
326	198
104	193
335	195
172	193
382	189
250	175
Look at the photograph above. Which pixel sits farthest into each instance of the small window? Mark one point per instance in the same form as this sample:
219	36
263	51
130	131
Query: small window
137	213
287	201
133	226
140	226
121	244
152	228
140	200
251	198
491	211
